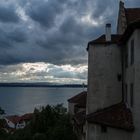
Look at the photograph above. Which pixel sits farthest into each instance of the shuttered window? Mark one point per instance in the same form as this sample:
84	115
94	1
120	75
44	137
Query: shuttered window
126	57
132	52
125	97
131	94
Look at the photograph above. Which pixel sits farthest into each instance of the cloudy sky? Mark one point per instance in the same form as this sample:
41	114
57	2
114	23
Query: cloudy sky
45	40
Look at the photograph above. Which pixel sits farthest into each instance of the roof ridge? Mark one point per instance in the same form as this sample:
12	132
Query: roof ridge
77	96
132	8
101	40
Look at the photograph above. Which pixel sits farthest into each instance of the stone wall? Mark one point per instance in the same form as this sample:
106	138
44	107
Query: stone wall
71	108
104	87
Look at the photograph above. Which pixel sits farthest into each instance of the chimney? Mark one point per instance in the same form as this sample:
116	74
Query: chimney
108	32
121	5
122	2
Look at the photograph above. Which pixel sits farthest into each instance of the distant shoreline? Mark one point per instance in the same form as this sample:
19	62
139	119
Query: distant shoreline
42	85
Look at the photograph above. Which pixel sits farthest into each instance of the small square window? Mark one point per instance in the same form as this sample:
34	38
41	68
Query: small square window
131	94
119	77
126	56
132	52
125	96
103	129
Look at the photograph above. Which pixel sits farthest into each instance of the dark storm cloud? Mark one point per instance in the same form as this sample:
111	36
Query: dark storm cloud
69	25
68	43
45	12
8	14
17	35
54	31
101	8
132	3
8	38
4	42
61	46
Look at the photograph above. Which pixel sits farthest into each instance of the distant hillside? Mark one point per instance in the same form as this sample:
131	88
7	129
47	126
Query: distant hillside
40	85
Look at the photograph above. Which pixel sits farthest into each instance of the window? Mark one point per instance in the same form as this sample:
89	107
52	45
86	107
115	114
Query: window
126	57
119	77
131	94
103	129
132	52
125	96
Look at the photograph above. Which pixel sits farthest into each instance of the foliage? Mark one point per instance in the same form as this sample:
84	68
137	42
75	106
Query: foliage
3	134
48	123
39	136
2	111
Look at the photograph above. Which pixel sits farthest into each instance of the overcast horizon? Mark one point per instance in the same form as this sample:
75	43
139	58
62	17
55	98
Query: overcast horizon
46	40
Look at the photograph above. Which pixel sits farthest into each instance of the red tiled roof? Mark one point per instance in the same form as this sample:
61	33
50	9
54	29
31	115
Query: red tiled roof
132	14
79	99
14	119
101	40
117	116
27	116
80	117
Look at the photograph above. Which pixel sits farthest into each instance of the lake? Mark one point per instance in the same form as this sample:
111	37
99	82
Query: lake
20	100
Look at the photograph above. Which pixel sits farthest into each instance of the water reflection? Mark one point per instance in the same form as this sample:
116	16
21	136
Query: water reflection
20	100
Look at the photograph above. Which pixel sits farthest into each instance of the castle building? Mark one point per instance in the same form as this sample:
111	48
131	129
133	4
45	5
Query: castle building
113	93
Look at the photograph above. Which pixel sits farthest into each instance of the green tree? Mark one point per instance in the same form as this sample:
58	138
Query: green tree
2	111
39	136
49	123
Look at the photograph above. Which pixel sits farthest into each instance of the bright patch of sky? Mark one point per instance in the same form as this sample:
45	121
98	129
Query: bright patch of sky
88	20
44	72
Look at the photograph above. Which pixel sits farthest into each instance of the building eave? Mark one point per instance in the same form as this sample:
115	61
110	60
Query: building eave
115	116
101	40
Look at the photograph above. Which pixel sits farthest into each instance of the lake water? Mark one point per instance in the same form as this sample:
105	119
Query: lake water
20	100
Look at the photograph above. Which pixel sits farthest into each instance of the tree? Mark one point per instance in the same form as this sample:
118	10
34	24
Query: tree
49	123
2	111
39	136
